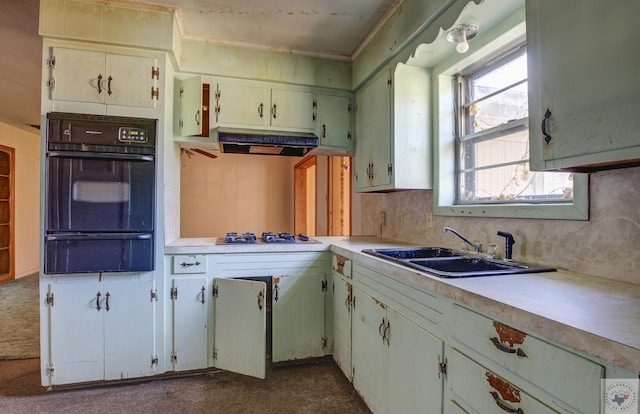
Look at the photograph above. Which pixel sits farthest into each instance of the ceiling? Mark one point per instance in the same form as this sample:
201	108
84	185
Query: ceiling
331	28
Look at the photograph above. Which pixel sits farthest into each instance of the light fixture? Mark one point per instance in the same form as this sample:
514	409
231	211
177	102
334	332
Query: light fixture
461	34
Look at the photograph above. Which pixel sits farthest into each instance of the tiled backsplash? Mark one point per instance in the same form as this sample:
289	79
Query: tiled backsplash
608	245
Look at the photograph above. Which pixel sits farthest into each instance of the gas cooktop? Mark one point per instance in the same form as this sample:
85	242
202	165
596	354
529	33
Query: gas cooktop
267	237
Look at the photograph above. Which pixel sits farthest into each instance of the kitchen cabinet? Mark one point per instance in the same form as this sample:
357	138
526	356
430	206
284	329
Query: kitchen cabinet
342	304
191	307
109	80
98	330
503	357
395	361
393	148
583	100
334	126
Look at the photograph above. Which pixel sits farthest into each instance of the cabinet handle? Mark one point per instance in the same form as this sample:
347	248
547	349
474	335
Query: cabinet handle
503	348
547	137
324	131
202	291
503	405
106	307
387	333
185	264
98	300
276	288
274	111
197	117
260	300
261	110
382	325
99	83
109	79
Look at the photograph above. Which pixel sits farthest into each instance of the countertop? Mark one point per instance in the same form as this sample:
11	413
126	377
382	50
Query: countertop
598	316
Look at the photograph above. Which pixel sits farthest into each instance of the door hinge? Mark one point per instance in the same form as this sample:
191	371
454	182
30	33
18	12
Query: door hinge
52	62
174	293
51	84
389	82
181	91
154	295
49	299
155	93
215	353
325	286
155	72
325	342
154	361
174	358
50	369
442	367
390	169
180	124
214	291
350	108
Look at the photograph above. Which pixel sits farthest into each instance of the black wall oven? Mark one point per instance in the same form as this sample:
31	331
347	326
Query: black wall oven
100	194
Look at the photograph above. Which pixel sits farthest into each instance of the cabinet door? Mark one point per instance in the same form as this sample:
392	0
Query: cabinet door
591	92
373	125
342	299
241	104
370	364
335	128
129	328
129	81
189	107
76	329
298	317
240	326
293	109
78	75
414	381
190	316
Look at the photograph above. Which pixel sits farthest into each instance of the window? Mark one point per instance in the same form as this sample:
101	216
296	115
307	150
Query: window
492	136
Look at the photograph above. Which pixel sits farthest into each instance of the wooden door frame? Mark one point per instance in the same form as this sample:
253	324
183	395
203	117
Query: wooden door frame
300	194
10	275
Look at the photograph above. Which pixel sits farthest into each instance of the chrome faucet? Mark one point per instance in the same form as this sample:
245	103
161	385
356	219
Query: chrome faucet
477	247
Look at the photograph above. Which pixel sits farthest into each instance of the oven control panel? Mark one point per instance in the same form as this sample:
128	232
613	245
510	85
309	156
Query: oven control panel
129	134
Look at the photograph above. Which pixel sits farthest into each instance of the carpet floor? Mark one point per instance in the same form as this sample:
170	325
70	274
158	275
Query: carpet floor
20	319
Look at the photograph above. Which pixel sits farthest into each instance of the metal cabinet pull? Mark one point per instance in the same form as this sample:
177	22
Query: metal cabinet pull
98	300
547	115
274	111
109	79
503	406
382	325
185	264
202	291
99	83
198	117
107	301
261	110
503	348
386	333
324	131
276	288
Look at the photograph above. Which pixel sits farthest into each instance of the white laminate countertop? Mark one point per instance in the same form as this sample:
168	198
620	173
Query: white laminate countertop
598	316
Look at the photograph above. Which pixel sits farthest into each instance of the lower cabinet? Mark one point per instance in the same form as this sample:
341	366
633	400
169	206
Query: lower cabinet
395	361
98	330
342	306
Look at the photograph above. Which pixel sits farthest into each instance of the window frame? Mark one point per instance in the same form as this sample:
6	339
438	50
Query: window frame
503	36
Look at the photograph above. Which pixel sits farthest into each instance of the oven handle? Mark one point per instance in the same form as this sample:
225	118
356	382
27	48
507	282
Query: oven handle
98	236
100	155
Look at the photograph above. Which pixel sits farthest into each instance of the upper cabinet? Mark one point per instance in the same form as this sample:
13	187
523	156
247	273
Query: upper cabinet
583	84
393	146
80	77
334	126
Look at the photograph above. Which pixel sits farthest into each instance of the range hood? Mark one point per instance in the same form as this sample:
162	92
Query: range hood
241	141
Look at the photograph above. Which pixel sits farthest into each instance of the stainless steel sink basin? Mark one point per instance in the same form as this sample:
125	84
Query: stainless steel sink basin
449	263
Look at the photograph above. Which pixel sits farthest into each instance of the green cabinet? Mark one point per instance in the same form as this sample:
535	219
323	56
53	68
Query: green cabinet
334	126
393	145
342	305
583	101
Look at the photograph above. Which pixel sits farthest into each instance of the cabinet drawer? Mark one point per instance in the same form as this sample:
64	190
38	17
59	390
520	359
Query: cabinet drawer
572	378
480	390
341	265
189	264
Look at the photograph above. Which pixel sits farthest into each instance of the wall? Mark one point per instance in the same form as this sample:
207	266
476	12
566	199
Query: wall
235	193
605	246
26	142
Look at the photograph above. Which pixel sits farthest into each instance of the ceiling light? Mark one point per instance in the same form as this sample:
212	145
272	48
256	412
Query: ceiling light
461	34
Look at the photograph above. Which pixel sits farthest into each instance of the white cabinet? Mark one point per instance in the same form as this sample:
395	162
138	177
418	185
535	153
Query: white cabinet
583	101
342	311
84	76
395	361
190	298
393	145
334	126
98	330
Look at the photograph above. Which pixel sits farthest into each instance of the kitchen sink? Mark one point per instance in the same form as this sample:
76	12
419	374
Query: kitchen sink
449	263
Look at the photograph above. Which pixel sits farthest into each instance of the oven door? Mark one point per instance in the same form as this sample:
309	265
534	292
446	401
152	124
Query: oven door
98	192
